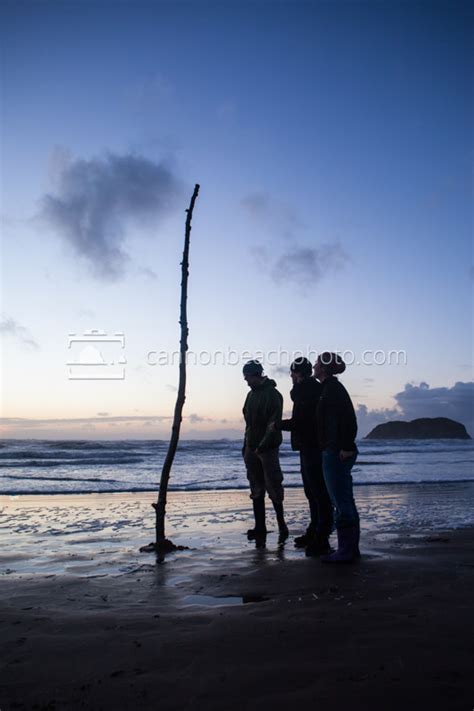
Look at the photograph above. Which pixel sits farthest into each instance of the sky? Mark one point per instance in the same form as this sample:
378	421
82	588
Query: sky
333	145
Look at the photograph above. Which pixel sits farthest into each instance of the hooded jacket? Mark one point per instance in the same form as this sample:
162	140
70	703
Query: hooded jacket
337	422
303	424
263	406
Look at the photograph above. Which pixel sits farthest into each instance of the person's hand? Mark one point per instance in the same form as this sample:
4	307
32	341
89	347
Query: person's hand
344	454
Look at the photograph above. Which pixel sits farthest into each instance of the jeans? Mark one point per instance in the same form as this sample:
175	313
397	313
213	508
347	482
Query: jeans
338	478
320	505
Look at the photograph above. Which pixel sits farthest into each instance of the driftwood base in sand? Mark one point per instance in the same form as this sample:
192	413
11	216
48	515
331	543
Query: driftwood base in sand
163	547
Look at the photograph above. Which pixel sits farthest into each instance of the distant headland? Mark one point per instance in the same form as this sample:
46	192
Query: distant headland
423	428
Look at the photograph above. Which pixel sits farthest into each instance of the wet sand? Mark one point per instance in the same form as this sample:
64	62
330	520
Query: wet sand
89	622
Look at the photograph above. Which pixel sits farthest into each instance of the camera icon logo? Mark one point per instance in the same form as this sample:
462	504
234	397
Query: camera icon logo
94	356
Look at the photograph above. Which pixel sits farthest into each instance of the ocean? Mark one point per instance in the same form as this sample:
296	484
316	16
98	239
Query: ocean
87	466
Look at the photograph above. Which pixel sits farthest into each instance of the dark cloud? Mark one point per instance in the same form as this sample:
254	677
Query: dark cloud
195	419
301	265
257	204
417	401
456	402
96	199
294	262
10	327
307	266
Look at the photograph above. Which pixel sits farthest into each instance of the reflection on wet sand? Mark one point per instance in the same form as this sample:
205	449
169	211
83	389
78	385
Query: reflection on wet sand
91	534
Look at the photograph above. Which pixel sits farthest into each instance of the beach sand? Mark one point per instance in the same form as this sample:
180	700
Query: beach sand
87	622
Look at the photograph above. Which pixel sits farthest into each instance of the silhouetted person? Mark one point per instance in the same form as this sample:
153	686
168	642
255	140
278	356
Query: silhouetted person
304	439
337	430
262	411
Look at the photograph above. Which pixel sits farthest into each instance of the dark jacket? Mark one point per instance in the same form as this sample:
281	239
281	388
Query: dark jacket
303	425
337	423
263	406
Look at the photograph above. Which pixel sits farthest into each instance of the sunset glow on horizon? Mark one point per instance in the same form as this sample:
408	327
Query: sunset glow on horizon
333	146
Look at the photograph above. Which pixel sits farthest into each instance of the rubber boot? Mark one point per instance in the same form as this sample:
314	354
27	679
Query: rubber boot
302	541
346	546
357	554
260	530
283	532
318	545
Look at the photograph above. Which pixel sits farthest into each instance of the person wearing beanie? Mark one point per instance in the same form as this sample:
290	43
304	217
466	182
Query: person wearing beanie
304	439
337	430
262	413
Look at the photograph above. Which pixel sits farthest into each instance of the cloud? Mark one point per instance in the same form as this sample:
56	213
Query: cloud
96	199
415	401
148	273
274	215
302	265
456	402
257	204
306	266
196	418
101	418
10	327
368	419
105	426
296	263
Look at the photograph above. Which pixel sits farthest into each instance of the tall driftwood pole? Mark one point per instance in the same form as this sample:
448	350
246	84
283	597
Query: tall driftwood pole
162	545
